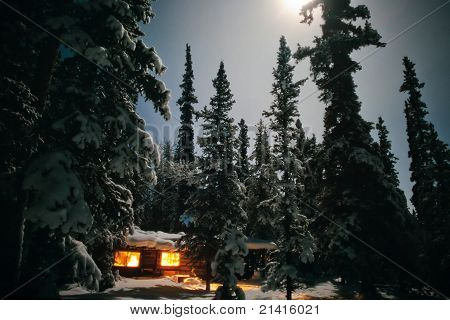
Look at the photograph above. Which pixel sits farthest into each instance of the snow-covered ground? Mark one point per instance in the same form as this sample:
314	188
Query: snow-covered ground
193	288
324	290
142	288
160	288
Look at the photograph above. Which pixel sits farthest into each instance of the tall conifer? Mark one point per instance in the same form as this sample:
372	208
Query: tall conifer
384	149
295	243
185	146
243	142
430	173
359	204
215	235
261	188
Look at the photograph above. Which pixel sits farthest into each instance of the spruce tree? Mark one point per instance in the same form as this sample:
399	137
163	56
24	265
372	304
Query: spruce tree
184	152
420	143
295	243
18	119
359	204
439	245
167	151
162	211
20	115
411	243
243	143
95	142
384	149
262	152
185	146
260	188
306	151
215	235
430	173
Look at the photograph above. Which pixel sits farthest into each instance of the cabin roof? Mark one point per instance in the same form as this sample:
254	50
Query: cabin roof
166	241
257	244
153	239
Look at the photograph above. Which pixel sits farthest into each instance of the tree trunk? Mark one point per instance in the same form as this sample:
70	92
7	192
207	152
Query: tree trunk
11	238
208	276
287	234
12	197
42	267
11	250
288	288
44	71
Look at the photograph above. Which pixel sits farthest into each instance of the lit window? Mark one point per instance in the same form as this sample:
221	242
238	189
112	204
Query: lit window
170	259
127	259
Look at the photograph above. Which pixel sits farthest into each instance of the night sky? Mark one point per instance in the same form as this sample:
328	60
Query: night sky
245	35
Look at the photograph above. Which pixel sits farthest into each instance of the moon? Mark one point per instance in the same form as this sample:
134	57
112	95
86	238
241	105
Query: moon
295	4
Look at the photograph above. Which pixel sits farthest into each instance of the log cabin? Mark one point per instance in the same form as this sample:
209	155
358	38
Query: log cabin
155	253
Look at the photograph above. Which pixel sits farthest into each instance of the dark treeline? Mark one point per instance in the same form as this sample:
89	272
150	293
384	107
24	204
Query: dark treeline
79	170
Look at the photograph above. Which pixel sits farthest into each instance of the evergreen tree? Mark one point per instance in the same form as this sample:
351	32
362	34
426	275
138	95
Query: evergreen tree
411	227
242	156
262	153
95	143
430	173
306	151
419	139
19	117
184	153
167	151
387	157
162	210
295	244
260	188
357	200
215	234
185	147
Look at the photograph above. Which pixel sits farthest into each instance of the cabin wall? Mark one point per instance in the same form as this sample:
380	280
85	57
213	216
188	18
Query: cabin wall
151	263
149	260
186	267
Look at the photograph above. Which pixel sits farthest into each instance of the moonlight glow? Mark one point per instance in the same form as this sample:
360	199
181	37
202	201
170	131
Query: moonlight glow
295	4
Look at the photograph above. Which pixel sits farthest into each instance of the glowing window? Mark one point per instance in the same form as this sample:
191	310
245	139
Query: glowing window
170	259
127	259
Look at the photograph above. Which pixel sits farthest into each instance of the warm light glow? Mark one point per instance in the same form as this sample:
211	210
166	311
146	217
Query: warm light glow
295	4
133	260
170	259
127	259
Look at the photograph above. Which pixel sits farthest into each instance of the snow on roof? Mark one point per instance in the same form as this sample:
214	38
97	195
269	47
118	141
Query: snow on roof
166	241
153	240
257	244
